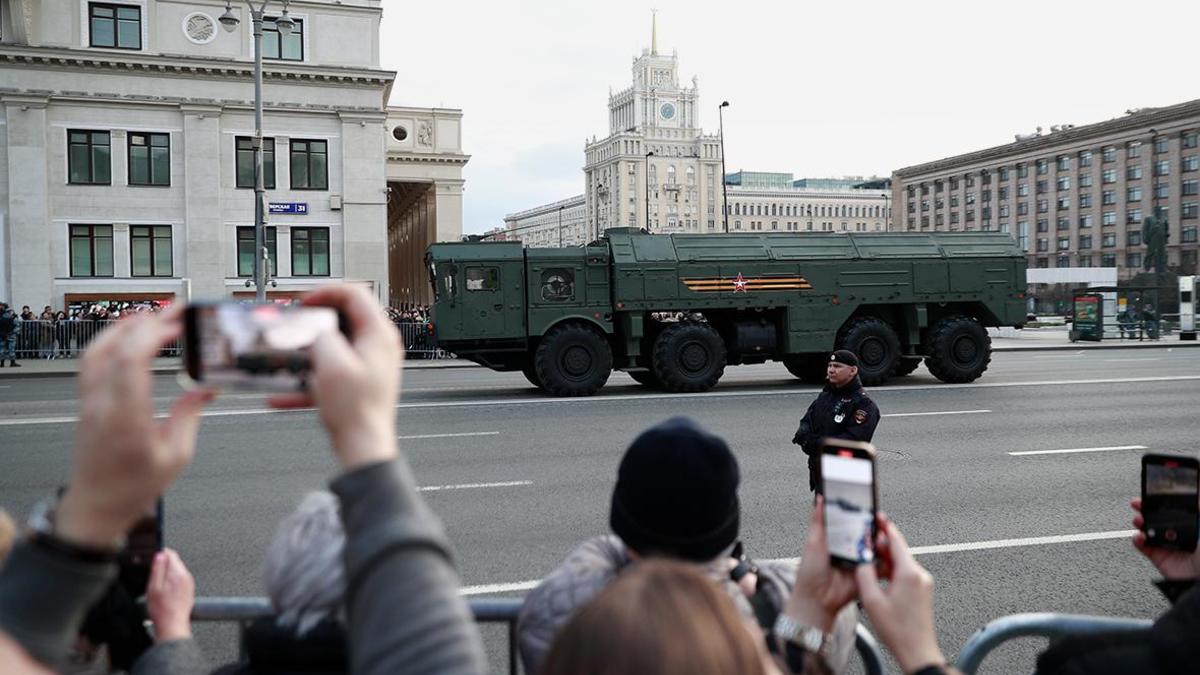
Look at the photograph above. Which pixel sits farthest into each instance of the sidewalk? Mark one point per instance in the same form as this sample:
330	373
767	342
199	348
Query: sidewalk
1003	340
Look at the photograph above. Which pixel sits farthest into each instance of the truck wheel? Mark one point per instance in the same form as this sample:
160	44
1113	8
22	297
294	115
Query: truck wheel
646	378
809	368
906	367
959	349
572	360
530	373
689	356
876	345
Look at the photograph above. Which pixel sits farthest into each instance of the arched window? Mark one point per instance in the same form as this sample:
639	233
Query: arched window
671	174
737	209
691	176
773	210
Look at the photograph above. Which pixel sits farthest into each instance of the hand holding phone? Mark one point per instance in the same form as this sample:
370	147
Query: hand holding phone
847	481
1170	505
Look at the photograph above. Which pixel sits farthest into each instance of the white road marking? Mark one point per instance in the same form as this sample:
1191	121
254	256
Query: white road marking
487	589
1111	448
939	412
1057	356
466	433
1128	360
474	486
592	400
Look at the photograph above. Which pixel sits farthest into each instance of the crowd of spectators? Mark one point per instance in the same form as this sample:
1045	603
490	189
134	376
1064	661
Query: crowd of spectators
52	334
361	577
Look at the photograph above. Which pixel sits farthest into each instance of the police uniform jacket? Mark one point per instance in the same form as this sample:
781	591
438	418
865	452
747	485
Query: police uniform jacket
839	412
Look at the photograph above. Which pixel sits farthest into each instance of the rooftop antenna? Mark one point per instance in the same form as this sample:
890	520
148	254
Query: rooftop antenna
654	32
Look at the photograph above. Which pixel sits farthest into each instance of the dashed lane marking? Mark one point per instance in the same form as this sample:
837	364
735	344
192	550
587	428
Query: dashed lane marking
593	400
465	433
1066	451
938	412
520	586
475	486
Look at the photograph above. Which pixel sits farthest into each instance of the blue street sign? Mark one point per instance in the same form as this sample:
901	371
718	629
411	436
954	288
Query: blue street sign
288	207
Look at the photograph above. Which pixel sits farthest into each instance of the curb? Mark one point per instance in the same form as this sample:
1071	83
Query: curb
47	374
1088	347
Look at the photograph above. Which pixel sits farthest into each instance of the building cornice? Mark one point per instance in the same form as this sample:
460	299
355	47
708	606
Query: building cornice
23	56
569	202
417	158
1057	139
738	191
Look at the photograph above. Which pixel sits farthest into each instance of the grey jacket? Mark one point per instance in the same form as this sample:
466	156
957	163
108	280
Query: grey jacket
598	561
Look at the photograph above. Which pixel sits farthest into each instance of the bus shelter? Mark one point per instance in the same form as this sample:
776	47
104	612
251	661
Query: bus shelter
1116	312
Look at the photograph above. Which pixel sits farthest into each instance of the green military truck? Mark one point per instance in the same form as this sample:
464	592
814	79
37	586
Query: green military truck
674	310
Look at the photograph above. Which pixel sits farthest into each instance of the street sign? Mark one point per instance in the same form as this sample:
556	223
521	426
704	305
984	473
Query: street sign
300	208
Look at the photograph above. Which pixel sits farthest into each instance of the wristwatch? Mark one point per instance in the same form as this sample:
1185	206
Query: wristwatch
44	533
791	632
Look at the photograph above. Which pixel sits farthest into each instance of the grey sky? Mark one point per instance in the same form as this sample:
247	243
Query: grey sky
817	89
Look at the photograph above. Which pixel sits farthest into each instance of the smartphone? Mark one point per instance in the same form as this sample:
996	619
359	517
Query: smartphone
847	480
1171	501
248	346
143	542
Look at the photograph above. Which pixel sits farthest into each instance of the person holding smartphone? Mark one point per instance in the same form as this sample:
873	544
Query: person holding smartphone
842	410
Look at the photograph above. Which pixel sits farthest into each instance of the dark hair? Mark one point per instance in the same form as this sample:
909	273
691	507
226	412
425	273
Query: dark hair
659	616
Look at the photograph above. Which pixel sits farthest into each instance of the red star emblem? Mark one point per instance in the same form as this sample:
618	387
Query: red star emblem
739	284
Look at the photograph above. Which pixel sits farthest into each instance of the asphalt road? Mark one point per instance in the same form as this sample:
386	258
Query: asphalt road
519	479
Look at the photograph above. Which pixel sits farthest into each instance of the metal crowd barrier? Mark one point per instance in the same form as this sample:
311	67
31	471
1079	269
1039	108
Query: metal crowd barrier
417	343
486	610
1052	626
40	339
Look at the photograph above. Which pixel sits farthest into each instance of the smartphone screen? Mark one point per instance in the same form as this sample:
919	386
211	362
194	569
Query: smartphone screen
848	481
1171	501
246	346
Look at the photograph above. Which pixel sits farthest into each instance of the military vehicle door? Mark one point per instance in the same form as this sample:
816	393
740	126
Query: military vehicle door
493	298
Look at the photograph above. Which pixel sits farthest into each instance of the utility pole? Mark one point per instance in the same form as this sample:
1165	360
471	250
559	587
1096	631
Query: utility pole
647	182
724	192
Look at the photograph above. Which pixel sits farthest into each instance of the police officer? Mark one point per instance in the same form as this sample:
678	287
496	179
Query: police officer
843	410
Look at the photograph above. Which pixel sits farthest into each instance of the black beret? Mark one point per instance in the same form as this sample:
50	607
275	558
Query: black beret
845	357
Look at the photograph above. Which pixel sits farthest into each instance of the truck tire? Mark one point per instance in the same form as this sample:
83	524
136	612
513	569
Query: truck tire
572	360
876	345
688	357
906	367
959	349
530	373
646	378
809	368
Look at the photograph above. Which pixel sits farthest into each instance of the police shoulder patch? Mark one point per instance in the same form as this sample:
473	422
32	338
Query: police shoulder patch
860	416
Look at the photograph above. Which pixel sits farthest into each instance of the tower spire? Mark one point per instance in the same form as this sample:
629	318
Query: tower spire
654	32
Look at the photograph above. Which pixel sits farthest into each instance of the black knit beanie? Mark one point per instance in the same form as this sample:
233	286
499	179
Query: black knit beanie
676	493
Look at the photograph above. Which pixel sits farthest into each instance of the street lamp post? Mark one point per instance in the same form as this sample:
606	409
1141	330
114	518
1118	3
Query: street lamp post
886	224
646	180
284	24
560	225
724	192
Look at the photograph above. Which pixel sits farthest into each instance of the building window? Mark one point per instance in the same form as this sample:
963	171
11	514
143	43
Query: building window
1085	221
1108	197
1023	189
1133	260
1133	238
1064	163
88	158
91	251
1043	206
987	196
1043	166
1133	216
1190	210
1162	168
1063	261
1043	245
1023	209
1133	150
245	162
1002	194
1108	260
1189	164
1064	243
1064	224
149	159
1108	153
1003	171
1162	191
281	47
1023	235
1189	187
1085	200
1043	187
970	216
1108	176
953	201
1085	158
969	179
1108	218
245	251
150	250
1133	194
1004	211
114	26
310	251
1043	225
1085	180
1064	183
1085	261
1160	145
1043	263
1109	240
1188	234
1189	139
1133	172
310	170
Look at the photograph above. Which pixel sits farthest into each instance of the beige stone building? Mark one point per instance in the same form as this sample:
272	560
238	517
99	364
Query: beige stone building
1073	197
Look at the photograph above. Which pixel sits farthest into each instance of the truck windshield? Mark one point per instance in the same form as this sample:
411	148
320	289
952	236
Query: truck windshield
433	280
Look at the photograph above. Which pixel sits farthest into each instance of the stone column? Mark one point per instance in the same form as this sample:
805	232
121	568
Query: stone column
30	267
364	200
203	229
449	209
